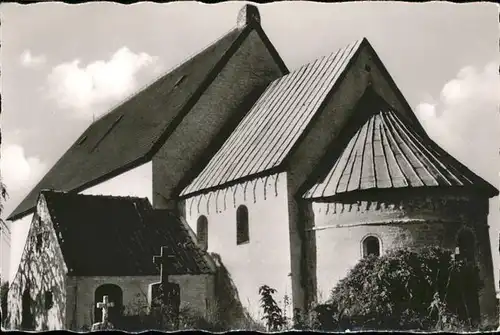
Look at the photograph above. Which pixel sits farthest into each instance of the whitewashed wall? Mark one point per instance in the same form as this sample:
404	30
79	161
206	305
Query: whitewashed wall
265	259
137	182
19	232
5	241
494	222
195	290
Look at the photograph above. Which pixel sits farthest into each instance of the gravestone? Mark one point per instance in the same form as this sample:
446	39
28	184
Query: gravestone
104	324
165	296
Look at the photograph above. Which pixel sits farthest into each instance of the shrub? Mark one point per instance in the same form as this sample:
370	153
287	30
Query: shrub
273	315
405	289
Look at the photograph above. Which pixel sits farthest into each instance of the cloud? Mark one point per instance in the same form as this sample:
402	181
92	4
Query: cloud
29	60
18	171
464	118
89	90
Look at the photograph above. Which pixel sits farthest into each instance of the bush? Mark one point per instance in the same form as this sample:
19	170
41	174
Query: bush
425	289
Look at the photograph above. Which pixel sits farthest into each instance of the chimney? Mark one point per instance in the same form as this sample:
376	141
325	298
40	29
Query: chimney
248	14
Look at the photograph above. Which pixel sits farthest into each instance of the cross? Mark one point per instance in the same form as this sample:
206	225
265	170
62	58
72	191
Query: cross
162	260
104	305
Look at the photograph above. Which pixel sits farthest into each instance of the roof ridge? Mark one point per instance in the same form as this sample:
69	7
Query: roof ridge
166	73
101	196
354	42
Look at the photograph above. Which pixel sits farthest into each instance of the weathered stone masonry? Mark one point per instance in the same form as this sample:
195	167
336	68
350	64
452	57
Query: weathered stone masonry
414	221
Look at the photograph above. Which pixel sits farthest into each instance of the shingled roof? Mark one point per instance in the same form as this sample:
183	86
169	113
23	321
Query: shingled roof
267	133
387	153
118	236
132	133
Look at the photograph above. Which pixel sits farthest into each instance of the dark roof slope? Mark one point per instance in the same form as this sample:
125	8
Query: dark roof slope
132	133
267	133
387	153
125	136
118	236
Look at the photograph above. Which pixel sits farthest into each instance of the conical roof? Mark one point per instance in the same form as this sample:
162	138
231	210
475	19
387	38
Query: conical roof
386	153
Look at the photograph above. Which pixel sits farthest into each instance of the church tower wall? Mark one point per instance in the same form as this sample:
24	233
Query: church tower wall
265	258
415	221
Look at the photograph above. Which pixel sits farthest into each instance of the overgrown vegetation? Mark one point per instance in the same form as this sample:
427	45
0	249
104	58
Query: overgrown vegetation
4	292
160	317
426	289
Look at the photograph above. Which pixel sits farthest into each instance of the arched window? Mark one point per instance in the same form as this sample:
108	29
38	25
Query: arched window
242	233
115	295
371	246
202	231
466	245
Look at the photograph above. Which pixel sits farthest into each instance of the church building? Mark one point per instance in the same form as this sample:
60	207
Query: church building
291	177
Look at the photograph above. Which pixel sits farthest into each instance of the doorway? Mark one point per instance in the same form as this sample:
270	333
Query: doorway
115	295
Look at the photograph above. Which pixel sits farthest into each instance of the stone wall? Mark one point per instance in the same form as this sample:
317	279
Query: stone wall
340	228
265	259
40	279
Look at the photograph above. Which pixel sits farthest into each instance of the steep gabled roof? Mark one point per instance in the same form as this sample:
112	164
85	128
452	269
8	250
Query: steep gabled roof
268	132
118	236
133	132
388	153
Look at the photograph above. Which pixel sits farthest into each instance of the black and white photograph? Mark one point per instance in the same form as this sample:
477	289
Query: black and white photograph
269	167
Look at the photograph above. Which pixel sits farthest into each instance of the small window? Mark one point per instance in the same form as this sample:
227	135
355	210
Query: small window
202	232
179	81
110	128
82	140
49	299
39	242
371	246
242	233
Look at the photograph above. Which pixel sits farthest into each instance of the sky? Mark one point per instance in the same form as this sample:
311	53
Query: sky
64	65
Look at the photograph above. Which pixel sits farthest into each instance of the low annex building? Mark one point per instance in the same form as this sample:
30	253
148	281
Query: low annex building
82	247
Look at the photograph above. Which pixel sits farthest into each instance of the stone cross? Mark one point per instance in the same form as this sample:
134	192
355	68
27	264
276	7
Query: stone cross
168	293
162	260
105	305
